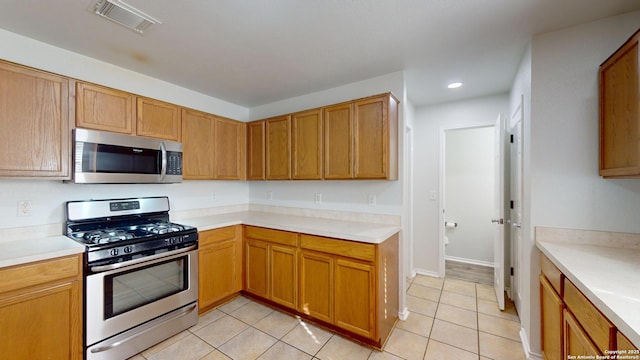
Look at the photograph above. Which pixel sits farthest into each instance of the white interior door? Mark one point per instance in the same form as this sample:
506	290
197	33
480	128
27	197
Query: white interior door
516	208
498	217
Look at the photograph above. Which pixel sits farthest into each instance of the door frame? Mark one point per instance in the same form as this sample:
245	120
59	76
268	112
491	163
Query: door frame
441	185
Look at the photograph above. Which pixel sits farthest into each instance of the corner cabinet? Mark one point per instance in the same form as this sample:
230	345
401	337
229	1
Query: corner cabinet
255	151
213	147
620	112
34	131
220	266
278	148
41	309
344	285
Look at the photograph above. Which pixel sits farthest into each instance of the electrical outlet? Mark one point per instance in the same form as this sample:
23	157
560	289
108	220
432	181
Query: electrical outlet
213	196
371	199
24	208
269	195
318	198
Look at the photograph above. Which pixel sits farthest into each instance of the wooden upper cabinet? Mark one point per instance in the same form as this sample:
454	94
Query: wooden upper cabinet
158	119
197	145
34	130
306	145
620	113
376	138
229	149
103	108
277	148
338	141
255	150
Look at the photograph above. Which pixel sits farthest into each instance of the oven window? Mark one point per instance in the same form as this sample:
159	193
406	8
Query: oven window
131	289
103	158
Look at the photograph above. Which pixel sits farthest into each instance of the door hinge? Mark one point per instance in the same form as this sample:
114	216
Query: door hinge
511	271
511	138
511	204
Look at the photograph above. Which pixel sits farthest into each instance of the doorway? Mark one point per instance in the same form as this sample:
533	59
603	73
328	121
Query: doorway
469	203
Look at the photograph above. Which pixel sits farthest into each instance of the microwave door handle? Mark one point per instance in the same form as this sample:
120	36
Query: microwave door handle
163	169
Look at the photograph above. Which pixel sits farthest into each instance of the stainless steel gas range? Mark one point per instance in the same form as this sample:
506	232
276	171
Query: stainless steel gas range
141	274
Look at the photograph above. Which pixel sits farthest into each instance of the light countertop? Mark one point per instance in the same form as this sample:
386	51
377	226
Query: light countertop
41	248
36	249
608	276
348	230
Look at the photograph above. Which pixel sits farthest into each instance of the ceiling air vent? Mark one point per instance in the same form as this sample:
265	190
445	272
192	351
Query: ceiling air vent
124	14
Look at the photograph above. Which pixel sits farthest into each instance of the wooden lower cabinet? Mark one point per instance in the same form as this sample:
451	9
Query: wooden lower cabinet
551	309
220	266
355	297
316	285
624	343
576	340
41	310
349	286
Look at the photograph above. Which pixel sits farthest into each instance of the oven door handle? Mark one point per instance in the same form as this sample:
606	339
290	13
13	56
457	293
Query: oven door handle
103	268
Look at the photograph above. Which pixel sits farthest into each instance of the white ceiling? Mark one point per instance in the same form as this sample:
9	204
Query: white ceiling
253	52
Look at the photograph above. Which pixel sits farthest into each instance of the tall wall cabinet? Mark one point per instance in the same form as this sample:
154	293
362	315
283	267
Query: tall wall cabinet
620	112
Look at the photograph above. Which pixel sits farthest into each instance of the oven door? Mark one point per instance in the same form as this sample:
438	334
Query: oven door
128	296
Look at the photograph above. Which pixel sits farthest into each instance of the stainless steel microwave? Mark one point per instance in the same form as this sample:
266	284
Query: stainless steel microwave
104	157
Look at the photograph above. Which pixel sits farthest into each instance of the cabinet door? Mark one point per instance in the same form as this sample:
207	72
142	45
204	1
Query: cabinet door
34	130
43	324
576	341
624	343
158	119
229	147
197	147
355	297
306	145
283	275
277	148
257	267
316	285
338	141
620	112
375	131
102	108
255	151
551	309
216	275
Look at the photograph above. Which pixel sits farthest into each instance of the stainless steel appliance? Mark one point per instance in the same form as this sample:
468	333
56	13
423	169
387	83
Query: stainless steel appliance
104	157
141	274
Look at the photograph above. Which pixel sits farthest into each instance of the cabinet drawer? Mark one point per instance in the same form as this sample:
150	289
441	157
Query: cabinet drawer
217	235
601	331
276	236
23	276
552	273
345	248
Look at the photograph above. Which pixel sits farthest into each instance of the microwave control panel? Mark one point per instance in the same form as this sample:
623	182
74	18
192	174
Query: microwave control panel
174	163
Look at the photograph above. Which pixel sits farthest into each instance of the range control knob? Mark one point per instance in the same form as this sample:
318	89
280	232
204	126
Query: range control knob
128	249
114	252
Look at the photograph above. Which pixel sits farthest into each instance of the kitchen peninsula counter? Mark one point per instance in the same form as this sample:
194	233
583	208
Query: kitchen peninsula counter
604	266
366	232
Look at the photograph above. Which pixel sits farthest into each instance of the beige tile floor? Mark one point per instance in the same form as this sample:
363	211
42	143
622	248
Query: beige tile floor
449	319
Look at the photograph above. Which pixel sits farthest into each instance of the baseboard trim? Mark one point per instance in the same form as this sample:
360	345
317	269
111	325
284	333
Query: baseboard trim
527	349
469	261
424	272
404	314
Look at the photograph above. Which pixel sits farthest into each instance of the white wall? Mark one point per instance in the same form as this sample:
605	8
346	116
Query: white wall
336	195
469	194
565	189
48	196
429	123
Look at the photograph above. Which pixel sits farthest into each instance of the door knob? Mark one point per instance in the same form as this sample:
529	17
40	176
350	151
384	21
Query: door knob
497	221
516	225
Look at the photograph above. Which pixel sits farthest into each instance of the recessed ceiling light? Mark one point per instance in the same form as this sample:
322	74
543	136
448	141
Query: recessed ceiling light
454	85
